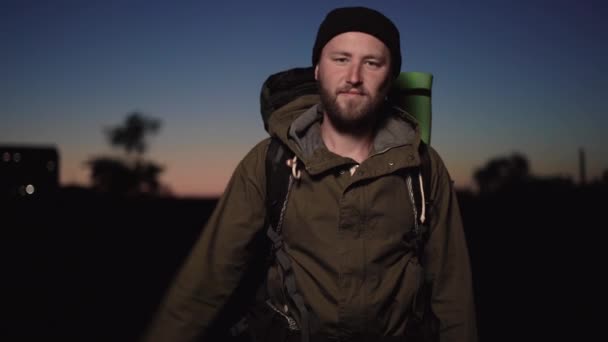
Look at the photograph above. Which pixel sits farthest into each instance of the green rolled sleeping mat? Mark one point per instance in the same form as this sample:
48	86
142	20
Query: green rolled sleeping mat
412	93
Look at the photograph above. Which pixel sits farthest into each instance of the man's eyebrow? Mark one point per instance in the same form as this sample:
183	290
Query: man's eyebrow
341	53
377	57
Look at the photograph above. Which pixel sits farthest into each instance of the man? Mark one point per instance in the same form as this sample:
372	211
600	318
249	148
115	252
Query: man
349	270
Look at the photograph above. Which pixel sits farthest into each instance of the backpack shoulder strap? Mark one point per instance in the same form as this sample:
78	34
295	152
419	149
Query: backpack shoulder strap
278	185
419	185
425	170
277	180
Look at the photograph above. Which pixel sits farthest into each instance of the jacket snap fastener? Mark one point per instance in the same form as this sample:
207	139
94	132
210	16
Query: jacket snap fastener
391	164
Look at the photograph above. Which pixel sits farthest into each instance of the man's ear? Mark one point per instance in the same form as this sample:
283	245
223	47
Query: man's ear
317	72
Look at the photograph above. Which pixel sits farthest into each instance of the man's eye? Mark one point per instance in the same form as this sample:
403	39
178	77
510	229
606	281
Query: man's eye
373	64
340	60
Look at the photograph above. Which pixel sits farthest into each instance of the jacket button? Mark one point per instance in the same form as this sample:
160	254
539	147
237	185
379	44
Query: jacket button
410	157
391	164
342	172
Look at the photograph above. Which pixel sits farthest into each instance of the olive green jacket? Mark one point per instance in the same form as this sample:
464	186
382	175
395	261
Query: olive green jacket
345	235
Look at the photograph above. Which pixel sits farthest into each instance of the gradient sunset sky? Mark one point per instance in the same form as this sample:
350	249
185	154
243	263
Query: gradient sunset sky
509	76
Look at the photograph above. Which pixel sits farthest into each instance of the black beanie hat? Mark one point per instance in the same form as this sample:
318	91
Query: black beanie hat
359	19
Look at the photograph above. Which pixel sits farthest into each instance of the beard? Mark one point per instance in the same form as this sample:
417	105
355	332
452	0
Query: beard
352	115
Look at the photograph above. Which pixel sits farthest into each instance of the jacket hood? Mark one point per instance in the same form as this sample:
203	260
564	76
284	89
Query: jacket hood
285	92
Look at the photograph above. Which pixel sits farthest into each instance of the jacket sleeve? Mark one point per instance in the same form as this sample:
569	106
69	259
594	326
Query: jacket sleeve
447	261
217	263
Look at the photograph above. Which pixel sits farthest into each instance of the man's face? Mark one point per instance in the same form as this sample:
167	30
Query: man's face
354	77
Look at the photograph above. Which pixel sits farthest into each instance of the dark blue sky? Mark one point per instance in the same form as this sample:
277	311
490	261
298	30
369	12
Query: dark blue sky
526	76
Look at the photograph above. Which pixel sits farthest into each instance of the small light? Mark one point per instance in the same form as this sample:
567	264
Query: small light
17	157
6	157
29	189
50	165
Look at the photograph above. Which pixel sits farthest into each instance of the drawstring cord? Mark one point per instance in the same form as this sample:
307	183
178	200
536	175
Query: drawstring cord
293	163
422	214
423	200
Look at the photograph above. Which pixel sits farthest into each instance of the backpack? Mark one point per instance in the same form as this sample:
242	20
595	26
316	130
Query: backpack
410	93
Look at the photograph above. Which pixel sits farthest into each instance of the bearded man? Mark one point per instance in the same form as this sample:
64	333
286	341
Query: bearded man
345	268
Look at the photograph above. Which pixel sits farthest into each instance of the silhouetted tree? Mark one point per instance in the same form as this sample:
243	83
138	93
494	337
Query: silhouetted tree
131	136
500	173
112	175
131	174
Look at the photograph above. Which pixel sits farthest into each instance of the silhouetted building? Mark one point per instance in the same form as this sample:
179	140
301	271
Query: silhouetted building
28	171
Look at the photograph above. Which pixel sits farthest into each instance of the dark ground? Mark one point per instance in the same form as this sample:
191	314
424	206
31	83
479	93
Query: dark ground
78	266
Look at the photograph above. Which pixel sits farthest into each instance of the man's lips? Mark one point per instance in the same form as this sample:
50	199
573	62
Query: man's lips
352	92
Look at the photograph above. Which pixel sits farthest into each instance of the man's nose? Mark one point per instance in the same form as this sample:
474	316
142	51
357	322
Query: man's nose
354	74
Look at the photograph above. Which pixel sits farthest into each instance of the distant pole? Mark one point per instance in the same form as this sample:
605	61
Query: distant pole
581	165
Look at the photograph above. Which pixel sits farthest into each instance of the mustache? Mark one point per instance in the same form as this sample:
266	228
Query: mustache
348	88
